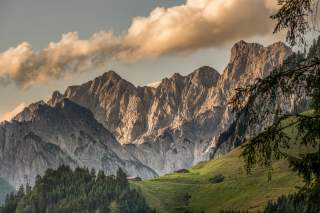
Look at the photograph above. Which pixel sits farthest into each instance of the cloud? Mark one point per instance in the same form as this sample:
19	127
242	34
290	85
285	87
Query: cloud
177	30
24	66
9	115
198	24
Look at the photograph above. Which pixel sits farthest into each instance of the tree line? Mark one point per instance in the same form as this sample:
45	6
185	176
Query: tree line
65	190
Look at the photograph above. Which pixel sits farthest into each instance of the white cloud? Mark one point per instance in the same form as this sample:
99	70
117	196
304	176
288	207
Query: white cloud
9	115
177	30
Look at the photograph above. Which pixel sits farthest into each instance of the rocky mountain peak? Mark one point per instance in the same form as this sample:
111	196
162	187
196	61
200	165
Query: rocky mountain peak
108	82
177	76
170	127
111	75
57	95
108	79
242	48
133	113
45	136
205	75
28	113
55	98
250	61
70	108
176	80
60	107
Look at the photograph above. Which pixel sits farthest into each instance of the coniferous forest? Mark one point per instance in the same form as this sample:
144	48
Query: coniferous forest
64	190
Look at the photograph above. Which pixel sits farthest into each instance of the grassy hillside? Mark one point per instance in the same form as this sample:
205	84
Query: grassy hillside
193	191
5	188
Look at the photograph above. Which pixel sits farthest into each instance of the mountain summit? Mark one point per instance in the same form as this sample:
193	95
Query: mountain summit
148	131
44	136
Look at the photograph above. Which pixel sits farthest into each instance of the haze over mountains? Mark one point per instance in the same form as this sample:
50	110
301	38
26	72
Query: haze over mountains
148	131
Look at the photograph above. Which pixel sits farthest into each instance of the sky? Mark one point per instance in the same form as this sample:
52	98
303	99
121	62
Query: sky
48	45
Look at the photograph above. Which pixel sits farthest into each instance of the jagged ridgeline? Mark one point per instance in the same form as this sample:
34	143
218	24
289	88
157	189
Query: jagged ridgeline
81	190
108	122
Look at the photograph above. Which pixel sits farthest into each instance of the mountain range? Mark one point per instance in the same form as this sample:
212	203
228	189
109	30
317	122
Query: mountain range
148	131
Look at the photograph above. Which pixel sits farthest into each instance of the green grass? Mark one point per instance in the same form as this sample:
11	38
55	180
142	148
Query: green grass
5	188
238	191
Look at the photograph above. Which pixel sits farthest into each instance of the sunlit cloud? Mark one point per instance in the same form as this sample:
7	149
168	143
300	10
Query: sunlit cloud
195	25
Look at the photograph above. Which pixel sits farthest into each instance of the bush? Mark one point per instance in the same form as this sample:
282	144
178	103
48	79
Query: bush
217	179
182	171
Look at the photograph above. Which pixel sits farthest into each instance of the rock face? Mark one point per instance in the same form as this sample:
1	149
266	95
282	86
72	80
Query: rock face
248	62
135	113
175	124
44	137
262	107
146	130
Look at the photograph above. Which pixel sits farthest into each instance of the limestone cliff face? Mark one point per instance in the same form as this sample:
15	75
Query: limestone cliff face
44	137
132	113
177	123
263	108
248	62
146	130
